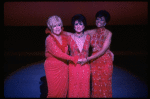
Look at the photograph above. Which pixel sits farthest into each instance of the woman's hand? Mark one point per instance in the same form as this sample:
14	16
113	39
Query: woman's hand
75	59
79	61
112	55
82	61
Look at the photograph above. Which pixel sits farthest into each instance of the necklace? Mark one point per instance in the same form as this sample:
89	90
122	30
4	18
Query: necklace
79	41
79	36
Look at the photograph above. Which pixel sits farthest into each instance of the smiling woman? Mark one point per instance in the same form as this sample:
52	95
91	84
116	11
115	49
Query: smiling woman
78	26
54	23
79	75
55	65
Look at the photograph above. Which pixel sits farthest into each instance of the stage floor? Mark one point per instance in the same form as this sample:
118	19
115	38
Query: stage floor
30	82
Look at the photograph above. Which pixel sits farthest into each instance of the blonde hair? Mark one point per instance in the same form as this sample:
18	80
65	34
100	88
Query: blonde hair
54	20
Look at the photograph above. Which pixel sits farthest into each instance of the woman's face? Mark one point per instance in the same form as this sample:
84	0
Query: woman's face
79	26
56	29
100	21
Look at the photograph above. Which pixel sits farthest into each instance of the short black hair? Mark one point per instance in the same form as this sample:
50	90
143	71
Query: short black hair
80	18
104	13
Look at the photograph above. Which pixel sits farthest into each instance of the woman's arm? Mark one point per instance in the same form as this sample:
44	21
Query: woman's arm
89	32
105	46
54	50
67	33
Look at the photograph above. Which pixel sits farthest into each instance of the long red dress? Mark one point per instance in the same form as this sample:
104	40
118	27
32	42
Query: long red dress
79	76
56	68
102	67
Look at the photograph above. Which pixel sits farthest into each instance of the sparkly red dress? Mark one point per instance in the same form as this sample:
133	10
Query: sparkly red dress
56	68
102	67
79	76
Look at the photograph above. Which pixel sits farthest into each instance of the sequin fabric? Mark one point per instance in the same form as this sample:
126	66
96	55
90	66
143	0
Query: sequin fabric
101	68
79	76
56	69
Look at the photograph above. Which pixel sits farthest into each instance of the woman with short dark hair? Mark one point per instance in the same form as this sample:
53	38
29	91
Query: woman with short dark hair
101	58
79	76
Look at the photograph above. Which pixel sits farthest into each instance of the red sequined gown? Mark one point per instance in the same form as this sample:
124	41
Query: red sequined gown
79	76
102	67
56	68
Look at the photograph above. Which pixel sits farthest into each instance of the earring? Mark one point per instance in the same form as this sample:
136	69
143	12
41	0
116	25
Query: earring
105	24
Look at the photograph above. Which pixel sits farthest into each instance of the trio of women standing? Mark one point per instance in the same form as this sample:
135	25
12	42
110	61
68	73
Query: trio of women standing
79	69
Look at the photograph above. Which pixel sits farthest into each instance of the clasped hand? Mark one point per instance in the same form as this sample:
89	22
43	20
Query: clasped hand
82	61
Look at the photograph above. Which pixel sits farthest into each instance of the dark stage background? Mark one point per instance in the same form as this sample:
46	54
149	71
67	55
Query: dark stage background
25	23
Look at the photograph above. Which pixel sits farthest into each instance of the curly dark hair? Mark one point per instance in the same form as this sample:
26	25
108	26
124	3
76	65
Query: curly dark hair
104	13
80	18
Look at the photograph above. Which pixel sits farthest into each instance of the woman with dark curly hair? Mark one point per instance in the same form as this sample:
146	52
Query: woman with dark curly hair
79	75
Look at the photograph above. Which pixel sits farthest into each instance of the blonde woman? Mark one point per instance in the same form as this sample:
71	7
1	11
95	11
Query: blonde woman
56	68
